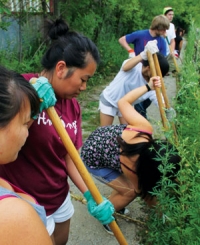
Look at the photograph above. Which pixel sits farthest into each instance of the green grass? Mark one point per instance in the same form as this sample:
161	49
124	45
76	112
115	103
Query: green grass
90	118
89	102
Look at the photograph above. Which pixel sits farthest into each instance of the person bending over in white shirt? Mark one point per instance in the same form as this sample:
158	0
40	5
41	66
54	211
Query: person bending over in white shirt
134	73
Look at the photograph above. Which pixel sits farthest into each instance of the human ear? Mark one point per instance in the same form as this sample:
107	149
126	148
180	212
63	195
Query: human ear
61	69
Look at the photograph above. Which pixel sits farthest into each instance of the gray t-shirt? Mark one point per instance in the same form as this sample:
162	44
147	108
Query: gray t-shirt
4	193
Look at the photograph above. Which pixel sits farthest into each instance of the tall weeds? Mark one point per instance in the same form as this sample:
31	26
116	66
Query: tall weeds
176	218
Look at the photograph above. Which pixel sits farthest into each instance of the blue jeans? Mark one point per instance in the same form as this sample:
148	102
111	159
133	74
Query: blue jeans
104	175
142	106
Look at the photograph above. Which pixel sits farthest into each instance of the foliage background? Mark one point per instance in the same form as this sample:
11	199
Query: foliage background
104	21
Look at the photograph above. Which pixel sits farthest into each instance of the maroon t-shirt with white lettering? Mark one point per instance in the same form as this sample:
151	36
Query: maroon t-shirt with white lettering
40	168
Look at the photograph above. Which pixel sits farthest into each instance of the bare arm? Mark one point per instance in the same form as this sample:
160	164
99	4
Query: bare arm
172	45
74	174
124	43
132	63
20	224
180	45
132	117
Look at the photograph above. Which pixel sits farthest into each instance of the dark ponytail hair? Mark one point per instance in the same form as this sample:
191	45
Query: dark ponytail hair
14	89
56	29
69	46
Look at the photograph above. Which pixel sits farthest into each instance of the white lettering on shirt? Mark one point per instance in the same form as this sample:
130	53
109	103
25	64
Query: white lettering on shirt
45	121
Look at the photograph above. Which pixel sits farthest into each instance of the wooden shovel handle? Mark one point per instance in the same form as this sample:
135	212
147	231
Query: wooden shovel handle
158	91
164	93
159	73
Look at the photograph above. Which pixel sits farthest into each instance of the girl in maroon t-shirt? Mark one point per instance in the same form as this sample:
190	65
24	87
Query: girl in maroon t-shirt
43	161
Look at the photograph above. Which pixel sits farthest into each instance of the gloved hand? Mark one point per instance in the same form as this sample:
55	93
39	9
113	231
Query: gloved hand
103	212
131	53
170	114
176	55
45	93
152	47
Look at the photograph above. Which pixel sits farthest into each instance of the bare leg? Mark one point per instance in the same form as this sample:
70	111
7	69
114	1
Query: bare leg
61	233
52	239
123	193
106	120
122	120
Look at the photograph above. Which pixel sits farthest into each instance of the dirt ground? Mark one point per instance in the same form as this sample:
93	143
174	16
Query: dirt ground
86	230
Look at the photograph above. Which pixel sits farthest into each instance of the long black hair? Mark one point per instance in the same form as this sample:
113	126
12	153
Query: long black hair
151	155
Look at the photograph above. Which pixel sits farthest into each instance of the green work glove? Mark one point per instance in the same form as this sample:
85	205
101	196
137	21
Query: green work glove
103	212
45	93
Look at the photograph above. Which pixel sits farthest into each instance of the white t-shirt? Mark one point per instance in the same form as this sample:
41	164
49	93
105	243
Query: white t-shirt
124	82
170	35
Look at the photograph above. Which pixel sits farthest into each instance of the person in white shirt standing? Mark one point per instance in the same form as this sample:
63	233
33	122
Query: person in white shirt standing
170	37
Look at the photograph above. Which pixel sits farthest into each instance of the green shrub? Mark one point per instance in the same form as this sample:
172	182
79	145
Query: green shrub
112	54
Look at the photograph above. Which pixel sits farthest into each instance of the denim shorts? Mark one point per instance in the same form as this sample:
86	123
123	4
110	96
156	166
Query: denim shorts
104	175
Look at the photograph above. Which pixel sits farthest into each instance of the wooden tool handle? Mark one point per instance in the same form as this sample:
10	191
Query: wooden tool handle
159	73
158	92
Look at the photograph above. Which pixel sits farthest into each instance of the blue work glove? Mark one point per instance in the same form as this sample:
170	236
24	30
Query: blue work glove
45	92
103	212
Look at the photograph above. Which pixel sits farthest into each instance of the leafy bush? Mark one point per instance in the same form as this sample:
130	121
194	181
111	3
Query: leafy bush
112	54
28	63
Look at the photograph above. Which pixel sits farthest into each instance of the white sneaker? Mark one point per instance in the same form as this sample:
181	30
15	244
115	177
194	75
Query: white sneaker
124	211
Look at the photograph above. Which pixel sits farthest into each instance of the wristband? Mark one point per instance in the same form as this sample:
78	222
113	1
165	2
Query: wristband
148	88
131	50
